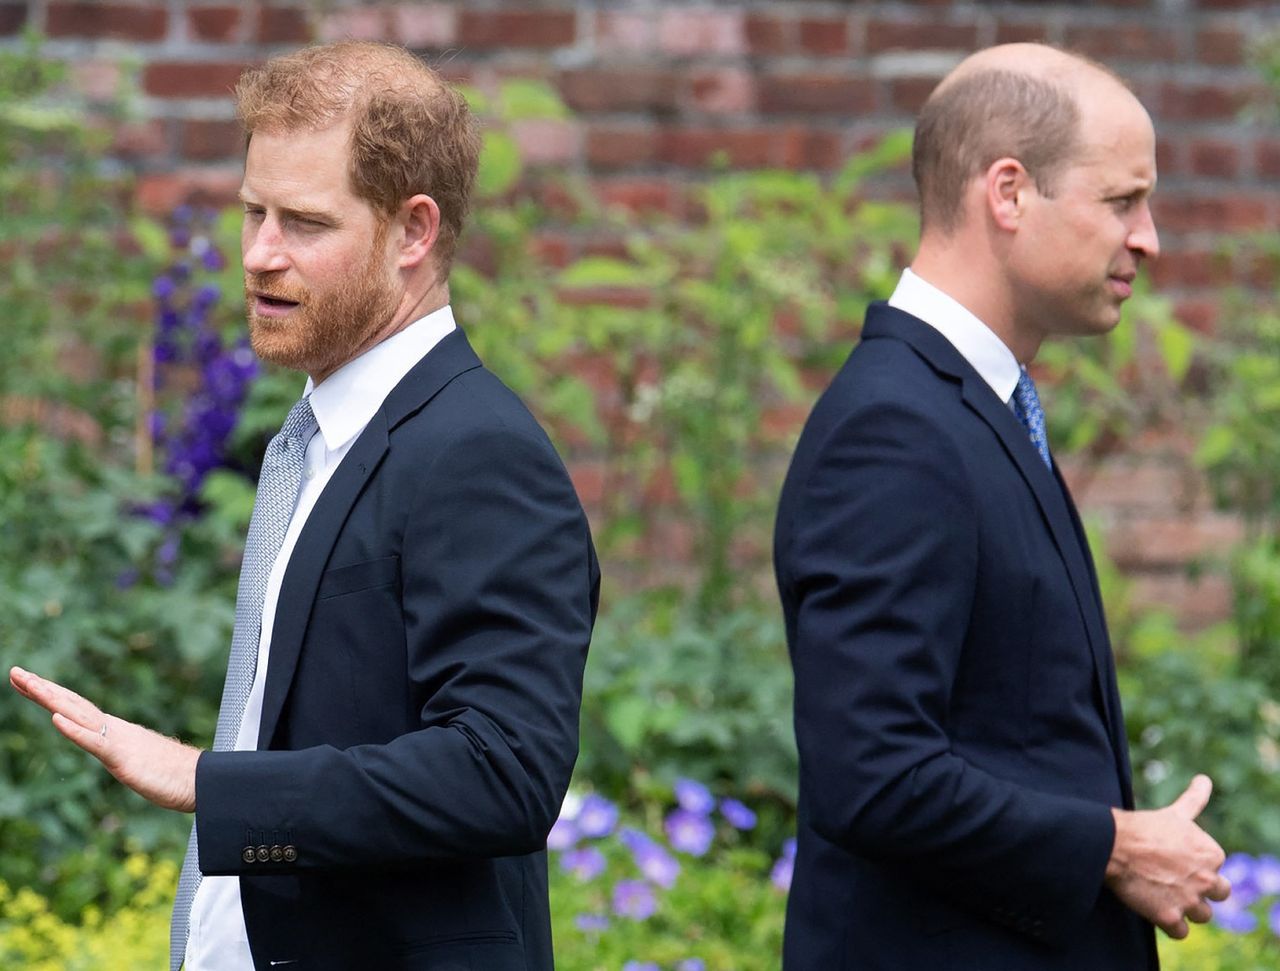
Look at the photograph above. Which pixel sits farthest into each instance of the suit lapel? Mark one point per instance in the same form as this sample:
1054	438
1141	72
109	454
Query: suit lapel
310	557
1050	494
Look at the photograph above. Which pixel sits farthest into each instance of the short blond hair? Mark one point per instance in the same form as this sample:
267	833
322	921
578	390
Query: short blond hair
410	131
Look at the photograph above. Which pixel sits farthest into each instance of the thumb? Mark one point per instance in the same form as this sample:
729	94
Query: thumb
1194	798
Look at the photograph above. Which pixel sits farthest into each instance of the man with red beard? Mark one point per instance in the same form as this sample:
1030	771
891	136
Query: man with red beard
400	716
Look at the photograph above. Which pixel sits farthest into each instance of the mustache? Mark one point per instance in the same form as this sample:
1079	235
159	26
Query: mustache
270	285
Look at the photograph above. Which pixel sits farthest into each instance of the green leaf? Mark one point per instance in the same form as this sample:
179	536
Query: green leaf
524	99
1177	345
500	164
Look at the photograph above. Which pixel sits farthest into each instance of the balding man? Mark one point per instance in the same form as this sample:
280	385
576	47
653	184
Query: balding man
400	716
965	797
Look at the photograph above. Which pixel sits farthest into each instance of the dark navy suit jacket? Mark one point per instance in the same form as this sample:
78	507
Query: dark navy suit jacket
420	716
960	733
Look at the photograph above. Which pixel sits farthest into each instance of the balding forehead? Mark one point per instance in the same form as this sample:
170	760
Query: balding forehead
1032	60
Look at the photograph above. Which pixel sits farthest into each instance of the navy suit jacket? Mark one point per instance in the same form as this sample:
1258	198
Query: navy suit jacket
960	733
420	716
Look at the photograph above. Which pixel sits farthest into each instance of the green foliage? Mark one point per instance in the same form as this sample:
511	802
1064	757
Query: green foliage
668	695
1213	949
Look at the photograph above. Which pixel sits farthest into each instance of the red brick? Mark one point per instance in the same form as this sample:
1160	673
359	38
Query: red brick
133	140
588	479
688	32
1221	46
1197	602
1190	268
283	25
886	35
214	23
545	141
824	36
1128	41
768	34
180	79
1199	313
159	192
805	147
1172	541
1022	33
211	140
355	23
145	23
723	91
737	147
1202	102
1214	158
1266	159
97	80
908	95
618	147
817	94
1128	485
630	33
12	18
526	29
552	249
420	25
619	89
640	195
1169	157
631	298
1212	213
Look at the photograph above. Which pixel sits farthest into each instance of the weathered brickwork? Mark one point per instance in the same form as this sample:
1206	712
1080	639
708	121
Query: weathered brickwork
661	89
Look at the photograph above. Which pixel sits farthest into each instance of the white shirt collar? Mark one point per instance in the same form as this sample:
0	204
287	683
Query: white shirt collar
346	400
975	341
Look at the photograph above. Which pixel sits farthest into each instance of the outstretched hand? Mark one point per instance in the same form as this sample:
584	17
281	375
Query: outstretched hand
1164	866
161	770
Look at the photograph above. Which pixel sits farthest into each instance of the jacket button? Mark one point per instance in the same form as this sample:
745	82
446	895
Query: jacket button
277	854
290	853
264	854
249	856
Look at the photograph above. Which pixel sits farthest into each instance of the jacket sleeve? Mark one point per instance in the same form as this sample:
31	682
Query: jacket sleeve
499	590
881	561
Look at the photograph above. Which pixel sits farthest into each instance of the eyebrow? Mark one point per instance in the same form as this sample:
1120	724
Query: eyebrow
318	215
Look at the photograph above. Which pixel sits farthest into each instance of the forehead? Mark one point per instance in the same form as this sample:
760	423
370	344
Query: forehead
304	169
1117	139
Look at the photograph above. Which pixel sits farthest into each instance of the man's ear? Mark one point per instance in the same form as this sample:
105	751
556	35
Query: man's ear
418	227
1007	185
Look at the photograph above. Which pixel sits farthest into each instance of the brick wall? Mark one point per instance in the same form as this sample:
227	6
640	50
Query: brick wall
661	88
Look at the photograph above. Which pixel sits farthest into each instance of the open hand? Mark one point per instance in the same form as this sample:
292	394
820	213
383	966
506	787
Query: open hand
161	770
1164	866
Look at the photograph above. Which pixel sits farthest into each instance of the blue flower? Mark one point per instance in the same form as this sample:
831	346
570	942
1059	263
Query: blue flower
1234	917
691	964
563	834
780	876
694	796
689	832
585	863
1238	868
591	923
653	861
634	899
162	287
1266	875
737	815
640	966
597	816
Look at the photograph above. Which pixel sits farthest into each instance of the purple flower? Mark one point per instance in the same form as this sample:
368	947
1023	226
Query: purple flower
640	966
1238	868
589	923
126	579
654	862
563	834
1266	875
1234	917
691	964
585	863
162	287
694	796
634	899
689	832
780	876
737	815
597	816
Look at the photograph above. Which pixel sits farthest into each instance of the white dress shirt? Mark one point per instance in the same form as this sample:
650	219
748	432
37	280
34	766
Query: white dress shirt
976	342
343	404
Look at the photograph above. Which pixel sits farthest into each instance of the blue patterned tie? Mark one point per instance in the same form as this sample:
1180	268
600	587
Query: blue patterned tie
272	509
1026	405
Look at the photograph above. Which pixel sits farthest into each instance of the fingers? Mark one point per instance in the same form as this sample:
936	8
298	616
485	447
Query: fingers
1176	929
1200	913
1194	798
1220	890
56	699
91	740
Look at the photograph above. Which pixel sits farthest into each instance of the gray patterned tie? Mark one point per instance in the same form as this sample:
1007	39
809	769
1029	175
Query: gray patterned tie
272	510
